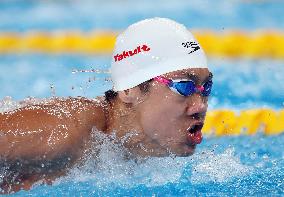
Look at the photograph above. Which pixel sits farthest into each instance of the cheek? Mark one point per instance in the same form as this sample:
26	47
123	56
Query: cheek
160	115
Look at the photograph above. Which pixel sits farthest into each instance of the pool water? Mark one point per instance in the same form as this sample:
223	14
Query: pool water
224	166
19	15
42	76
239	166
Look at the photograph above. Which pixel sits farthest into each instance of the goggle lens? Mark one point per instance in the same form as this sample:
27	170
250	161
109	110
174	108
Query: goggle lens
186	88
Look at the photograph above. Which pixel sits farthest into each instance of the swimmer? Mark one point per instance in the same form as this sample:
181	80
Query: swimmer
161	85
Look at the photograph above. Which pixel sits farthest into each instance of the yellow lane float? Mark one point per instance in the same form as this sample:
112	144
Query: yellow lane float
247	122
256	44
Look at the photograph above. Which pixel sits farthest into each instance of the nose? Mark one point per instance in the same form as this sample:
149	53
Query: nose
196	106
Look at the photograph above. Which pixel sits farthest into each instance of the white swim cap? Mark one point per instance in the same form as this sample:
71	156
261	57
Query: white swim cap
153	47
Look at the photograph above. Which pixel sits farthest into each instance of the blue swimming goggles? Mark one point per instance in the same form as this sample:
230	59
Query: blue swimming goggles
186	88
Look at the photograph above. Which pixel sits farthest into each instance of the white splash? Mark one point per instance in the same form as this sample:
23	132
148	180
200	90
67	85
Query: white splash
218	168
112	166
7	104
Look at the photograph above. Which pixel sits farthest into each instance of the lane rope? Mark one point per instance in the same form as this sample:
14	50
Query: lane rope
246	122
255	44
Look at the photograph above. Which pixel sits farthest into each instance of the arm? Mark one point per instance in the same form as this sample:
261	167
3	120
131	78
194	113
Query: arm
50	135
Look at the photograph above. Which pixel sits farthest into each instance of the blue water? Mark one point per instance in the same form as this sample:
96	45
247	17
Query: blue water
225	166
239	166
19	15
238	84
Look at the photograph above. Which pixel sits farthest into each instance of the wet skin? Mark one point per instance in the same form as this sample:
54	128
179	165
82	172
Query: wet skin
47	139
166	115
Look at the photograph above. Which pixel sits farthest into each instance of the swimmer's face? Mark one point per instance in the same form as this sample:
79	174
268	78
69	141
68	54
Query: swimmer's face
173	121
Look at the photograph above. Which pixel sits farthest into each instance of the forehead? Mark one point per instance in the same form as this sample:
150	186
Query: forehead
198	74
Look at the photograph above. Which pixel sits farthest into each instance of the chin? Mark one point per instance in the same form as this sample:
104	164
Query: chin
184	150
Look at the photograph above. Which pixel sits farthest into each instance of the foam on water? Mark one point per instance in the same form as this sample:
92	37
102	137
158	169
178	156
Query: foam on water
8	104
108	166
109	163
218	167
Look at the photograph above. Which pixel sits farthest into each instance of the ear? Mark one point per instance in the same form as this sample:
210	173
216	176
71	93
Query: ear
130	96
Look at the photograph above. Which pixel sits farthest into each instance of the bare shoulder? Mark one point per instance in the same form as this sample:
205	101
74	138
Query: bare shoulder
48	136
90	111
50	127
84	109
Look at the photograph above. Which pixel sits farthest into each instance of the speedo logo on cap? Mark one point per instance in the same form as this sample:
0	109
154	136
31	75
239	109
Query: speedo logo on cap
193	46
126	54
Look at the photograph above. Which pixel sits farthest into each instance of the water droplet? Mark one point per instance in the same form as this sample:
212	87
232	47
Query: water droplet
52	89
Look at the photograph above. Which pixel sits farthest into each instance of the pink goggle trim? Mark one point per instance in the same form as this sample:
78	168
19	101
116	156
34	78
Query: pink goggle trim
200	88
162	80
168	82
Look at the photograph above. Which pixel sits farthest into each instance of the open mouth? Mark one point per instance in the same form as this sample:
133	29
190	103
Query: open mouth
195	128
194	135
